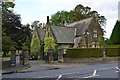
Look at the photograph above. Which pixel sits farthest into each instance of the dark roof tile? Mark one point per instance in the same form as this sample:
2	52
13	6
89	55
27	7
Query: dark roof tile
63	34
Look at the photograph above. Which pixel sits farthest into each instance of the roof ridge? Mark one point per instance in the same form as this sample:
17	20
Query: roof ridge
62	27
80	21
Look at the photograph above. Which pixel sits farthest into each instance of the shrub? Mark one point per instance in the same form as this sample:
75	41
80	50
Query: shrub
35	47
91	52
84	52
113	52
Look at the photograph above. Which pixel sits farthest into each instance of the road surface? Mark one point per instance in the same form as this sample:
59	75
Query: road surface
109	70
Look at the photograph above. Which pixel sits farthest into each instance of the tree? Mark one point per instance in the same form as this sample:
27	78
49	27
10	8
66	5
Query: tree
102	41
78	13
49	43
35	47
7	6
12	27
60	18
6	44
115	36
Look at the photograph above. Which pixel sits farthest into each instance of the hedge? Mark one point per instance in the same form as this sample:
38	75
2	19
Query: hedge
113	52
91	52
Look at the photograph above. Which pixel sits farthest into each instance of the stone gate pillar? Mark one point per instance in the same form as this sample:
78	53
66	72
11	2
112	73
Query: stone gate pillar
25	55
13	56
60	54
51	52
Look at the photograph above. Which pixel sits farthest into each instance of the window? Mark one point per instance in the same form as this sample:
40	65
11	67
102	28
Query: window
95	33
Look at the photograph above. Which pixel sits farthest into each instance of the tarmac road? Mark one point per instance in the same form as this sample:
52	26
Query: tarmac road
109	70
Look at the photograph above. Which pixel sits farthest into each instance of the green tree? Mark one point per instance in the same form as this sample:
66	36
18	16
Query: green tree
49	43
60	18
35	47
7	6
6	44
78	13
115	36
102	41
12	27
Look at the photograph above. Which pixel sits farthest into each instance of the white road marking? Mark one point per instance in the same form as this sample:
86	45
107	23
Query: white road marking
106	68
117	71
59	77
94	73
91	76
117	68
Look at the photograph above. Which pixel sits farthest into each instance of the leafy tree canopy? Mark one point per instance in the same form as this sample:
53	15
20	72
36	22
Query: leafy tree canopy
35	45
79	12
12	28
49	43
115	36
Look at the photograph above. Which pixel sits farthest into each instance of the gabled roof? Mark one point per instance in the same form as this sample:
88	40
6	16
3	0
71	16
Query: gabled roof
63	34
41	33
81	25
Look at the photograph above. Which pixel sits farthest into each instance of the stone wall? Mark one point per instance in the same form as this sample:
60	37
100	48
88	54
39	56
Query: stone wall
6	64
91	60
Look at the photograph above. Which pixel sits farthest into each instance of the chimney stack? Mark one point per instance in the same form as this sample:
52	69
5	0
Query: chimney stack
47	19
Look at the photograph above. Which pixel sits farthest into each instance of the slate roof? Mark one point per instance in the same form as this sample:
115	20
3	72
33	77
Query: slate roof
81	25
41	33
63	34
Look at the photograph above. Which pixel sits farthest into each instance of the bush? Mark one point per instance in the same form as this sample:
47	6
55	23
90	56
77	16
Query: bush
7	55
113	52
35	47
84	52
91	52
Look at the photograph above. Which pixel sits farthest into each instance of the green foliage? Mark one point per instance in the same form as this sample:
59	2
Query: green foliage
115	36
6	44
35	46
79	12
7	55
84	53
101	40
113	52
113	46
91	52
56	52
12	27
7	6
49	43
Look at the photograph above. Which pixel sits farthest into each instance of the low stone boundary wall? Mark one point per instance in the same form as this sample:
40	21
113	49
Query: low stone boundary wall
91	60
6	64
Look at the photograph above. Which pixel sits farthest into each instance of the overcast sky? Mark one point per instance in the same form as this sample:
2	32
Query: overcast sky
31	10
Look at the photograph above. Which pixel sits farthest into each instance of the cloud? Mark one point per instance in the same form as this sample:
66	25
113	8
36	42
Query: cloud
119	11
31	10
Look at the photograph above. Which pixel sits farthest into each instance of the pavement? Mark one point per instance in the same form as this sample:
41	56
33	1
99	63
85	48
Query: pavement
109	71
14	69
38	65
